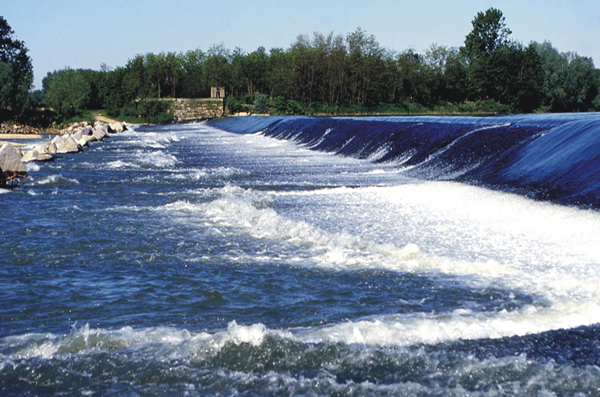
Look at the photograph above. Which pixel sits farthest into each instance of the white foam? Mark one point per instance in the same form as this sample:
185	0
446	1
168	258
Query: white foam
31	167
155	159
54	179
250	213
211	173
138	159
120	164
165	341
424	328
546	251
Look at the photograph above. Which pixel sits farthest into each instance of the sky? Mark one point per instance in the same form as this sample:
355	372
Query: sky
86	34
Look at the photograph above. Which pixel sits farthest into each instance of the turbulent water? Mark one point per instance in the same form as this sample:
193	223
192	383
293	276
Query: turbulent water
309	256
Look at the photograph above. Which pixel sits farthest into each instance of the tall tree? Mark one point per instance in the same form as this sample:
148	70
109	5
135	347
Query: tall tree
134	83
194	79
255	71
155	73
498	68
280	73
365	64
16	72
217	65
67	91
568	79
173	72
489	33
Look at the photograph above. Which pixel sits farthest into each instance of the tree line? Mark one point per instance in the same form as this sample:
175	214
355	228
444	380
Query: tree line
16	74
333	74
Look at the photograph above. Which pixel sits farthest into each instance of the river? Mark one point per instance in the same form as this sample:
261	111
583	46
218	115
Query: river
267	256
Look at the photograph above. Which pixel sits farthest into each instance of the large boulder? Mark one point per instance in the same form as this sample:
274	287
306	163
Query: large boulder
82	139
98	135
68	145
58	140
101	128
87	130
50	148
100	131
38	153
11	165
117	127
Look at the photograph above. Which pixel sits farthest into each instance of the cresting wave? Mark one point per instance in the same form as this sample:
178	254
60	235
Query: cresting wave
212	263
549	157
253	358
561	299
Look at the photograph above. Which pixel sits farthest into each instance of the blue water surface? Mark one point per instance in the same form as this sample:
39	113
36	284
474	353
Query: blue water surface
308	256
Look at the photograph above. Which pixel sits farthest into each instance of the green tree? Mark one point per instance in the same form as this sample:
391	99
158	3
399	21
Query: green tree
173	72
488	34
155	74
261	103
436	64
456	83
114	97
498	68
413	76
280	73
514	75
217	65
569	80
238	85
6	84
194	83
67	91
16	72
302	81
134	83
365	65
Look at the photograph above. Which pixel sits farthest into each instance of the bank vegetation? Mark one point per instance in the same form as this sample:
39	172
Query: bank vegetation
335	74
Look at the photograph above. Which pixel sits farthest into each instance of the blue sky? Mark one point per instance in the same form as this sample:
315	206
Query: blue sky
86	34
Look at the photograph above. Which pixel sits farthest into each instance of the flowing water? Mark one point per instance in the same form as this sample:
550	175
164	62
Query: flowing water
309	256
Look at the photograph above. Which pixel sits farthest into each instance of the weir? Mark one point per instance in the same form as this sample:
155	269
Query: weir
182	259
554	157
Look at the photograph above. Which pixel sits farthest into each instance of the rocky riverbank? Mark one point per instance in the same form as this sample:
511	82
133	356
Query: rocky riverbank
71	140
14	128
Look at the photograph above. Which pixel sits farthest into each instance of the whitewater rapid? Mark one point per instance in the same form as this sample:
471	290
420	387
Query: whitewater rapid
190	260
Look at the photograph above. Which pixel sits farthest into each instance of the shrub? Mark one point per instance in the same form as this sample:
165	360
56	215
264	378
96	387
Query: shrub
262	103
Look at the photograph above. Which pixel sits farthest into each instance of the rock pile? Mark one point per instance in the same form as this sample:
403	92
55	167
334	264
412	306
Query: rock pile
14	128
196	109
12	159
11	165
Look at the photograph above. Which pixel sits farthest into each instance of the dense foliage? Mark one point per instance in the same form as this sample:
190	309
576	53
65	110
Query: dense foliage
324	74
16	74
352	74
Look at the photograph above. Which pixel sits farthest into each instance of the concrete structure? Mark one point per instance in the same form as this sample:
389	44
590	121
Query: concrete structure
217	92
196	109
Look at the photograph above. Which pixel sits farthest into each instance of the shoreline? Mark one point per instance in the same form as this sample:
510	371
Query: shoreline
70	140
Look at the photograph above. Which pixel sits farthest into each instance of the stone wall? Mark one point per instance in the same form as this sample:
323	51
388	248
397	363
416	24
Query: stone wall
196	109
10	128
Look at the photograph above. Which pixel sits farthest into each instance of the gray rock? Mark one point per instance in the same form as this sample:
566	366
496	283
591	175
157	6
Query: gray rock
50	148
101	128
67	146
38	153
81	139
10	163
58	140
98	134
117	127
